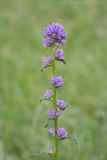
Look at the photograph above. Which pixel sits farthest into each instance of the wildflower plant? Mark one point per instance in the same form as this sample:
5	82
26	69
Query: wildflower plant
54	38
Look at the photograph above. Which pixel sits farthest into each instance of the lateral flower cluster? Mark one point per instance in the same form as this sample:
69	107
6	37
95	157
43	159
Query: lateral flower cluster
47	61
55	37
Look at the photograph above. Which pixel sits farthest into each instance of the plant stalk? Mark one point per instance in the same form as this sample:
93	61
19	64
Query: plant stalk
55	120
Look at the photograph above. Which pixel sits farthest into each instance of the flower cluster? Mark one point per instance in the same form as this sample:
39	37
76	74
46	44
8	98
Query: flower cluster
54	114
57	81
59	54
61	104
61	133
55	37
48	94
46	61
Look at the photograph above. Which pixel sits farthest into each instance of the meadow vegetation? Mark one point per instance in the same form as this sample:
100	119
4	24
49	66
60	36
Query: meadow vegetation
22	116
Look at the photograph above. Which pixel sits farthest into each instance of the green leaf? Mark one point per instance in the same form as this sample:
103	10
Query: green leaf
64	61
41	70
37	154
73	139
48	123
41	100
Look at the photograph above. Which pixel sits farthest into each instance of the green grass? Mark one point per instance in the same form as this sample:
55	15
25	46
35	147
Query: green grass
22	117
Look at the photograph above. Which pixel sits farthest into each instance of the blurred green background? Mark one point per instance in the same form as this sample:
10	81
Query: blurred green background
22	116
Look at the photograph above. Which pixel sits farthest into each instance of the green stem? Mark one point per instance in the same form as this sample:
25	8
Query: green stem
55	120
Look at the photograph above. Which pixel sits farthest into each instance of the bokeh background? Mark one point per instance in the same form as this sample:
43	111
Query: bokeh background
22	116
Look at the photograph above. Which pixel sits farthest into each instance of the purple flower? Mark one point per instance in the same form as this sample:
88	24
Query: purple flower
57	81
59	54
62	133
54	34
54	114
48	42
51	130
46	61
48	94
61	104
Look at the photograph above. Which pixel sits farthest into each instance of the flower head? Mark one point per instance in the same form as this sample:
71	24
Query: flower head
59	54
61	104
48	94
62	133
54	114
54	34
57	81
46	61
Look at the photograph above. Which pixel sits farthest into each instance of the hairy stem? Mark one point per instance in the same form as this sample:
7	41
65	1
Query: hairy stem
55	120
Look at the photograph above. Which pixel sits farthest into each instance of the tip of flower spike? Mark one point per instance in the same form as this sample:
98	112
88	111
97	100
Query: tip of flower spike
54	35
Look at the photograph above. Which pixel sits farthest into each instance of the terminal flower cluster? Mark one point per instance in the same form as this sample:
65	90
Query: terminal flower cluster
54	35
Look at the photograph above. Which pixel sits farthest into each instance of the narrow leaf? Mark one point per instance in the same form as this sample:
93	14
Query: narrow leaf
42	70
73	139
37	154
64	61
41	100
48	123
